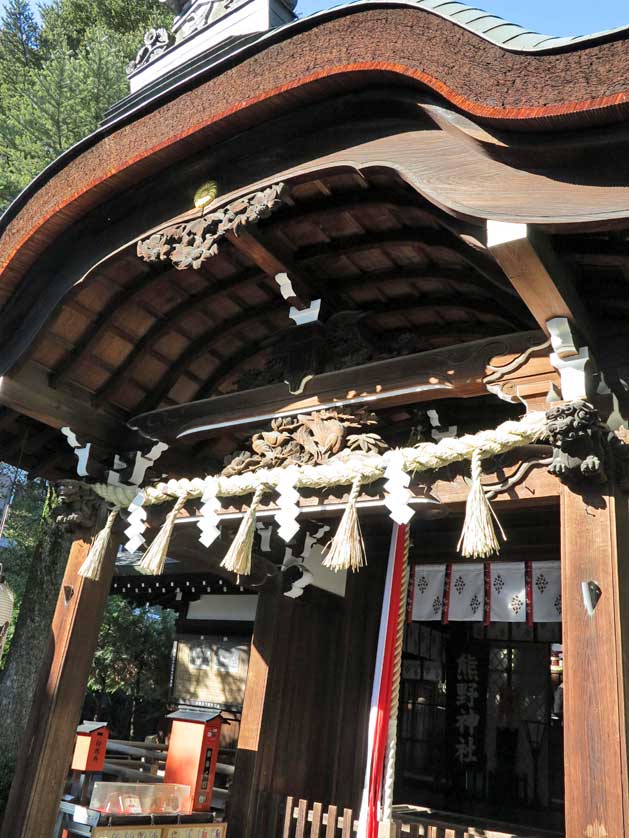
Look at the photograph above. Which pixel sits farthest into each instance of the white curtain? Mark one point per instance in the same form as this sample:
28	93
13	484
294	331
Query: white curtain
428	591
508	592
546	592
467	593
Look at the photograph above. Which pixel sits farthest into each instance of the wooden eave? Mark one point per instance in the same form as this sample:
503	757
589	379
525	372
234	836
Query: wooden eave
132	337
397	44
380	224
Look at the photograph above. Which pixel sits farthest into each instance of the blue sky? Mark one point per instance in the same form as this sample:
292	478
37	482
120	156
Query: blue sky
552	17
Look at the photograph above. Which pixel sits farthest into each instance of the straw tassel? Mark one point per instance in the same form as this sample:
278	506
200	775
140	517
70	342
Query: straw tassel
478	539
93	564
238	557
346	551
152	563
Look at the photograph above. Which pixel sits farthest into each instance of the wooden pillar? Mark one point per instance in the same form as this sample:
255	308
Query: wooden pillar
47	750
595	548
254	725
306	708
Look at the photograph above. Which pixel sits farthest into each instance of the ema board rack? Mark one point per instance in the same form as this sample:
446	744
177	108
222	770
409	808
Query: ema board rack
200	830
74	821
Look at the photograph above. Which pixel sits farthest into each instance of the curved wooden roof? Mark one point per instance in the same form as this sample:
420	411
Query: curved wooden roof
136	337
390	186
348	47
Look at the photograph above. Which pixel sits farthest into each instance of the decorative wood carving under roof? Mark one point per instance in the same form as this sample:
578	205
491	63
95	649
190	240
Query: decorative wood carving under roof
189	244
380	224
308	439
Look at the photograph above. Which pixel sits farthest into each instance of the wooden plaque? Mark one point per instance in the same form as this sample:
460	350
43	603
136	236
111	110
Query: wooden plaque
128	832
196	830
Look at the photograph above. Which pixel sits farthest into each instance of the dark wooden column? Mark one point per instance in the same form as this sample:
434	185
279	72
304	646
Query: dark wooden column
264	647
306	708
43	764
595	548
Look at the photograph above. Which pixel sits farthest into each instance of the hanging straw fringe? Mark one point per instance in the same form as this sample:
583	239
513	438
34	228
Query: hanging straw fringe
152	563
93	564
478	539
346	551
238	557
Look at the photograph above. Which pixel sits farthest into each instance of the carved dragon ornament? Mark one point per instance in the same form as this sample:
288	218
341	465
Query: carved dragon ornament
308	439
584	448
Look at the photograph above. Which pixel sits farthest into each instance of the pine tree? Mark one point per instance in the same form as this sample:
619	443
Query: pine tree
58	78
19	35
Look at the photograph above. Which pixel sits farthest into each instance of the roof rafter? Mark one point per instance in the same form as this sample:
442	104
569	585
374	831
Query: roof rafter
161	327
200	346
99	326
410	237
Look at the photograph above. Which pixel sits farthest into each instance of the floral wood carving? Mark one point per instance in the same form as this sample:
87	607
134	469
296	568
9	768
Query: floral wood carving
308	439
190	244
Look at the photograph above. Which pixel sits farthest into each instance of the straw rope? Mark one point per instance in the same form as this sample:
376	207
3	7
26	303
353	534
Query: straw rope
389	778
345	468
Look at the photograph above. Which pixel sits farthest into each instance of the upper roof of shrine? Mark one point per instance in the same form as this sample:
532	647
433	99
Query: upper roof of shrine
397	129
499	31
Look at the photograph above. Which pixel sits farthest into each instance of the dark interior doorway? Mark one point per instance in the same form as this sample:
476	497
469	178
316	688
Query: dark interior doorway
481	726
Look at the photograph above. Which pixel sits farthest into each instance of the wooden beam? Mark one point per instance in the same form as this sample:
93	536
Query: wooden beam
540	279
40	775
464	332
595	541
441	373
256	247
28	392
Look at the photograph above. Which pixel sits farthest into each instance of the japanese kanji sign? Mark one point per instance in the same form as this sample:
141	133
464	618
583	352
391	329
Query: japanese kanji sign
467	695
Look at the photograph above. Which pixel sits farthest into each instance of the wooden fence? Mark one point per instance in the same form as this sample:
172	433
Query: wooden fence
303	821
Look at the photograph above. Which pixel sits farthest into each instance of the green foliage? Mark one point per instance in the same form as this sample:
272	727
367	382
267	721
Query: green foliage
20	35
133	654
119	16
22	527
58	77
22	532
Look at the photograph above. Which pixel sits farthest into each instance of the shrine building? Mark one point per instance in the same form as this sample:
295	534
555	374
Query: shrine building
324	334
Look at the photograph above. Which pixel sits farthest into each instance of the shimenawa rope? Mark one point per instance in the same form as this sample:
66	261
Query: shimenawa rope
350	467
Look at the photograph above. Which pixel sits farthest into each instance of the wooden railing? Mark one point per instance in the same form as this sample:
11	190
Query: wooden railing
302	820
318	822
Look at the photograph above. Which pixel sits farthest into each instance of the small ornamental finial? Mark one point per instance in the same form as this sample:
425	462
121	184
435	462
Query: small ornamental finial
205	194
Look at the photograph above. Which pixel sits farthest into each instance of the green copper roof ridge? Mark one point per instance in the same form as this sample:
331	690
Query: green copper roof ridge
499	31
